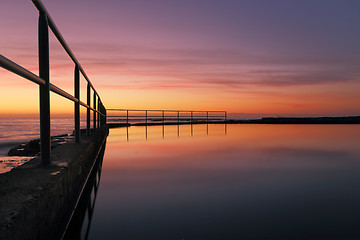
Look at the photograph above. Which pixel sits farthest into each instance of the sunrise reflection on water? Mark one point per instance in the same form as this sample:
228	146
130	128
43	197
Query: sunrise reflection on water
248	182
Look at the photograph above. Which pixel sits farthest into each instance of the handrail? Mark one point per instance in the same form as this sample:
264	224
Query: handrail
43	80
41	8
152	110
192	115
17	69
63	93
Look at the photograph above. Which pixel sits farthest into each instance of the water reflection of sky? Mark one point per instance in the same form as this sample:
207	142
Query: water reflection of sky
255	182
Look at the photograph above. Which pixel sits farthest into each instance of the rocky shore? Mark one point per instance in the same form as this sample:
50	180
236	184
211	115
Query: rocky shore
32	148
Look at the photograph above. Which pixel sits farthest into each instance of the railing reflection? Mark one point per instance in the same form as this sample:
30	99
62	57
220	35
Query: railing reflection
181	130
80	221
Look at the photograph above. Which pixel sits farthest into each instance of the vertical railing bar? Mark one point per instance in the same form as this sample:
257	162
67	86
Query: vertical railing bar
76	104
101	116
163	117
94	112
100	111
103	112
88	110
146	116
98	114
127	116
105	118
44	91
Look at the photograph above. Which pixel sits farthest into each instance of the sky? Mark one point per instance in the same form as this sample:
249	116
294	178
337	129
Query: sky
251	58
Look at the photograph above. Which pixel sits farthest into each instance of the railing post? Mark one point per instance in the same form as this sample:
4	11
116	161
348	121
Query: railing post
101	116
94	113
146	116
98	114
43	41
191	119
88	109
163	117
77	104
127	116
225	116
105	118
207	117
178	116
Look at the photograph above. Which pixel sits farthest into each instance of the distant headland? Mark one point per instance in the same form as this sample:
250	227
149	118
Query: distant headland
265	120
300	120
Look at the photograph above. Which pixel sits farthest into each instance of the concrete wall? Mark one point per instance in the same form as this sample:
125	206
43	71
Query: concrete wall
36	201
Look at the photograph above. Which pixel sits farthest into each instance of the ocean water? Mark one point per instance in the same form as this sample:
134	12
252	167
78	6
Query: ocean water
14	131
229	182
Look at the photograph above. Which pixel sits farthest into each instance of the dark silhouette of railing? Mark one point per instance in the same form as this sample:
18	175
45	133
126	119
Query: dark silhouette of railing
85	203
165	116
43	80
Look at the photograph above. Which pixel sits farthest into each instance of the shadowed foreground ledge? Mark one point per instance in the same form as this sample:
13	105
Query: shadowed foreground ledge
36	201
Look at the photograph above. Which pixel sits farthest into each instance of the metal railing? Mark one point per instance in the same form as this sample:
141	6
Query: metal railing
43	80
164	116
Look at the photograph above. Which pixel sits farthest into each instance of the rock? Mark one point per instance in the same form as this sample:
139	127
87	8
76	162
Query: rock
35	144
32	148
24	150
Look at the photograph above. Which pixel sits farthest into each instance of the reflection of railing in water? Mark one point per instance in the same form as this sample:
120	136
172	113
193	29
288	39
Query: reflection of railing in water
80	221
178	130
164	116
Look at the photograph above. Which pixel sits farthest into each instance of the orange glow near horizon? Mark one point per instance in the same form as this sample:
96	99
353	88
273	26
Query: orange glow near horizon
182	65
21	98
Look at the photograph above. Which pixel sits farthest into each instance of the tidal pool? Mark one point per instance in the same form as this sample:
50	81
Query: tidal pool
230	182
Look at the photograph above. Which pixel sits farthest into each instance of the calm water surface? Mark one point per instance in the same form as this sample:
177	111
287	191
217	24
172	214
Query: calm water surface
250	182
